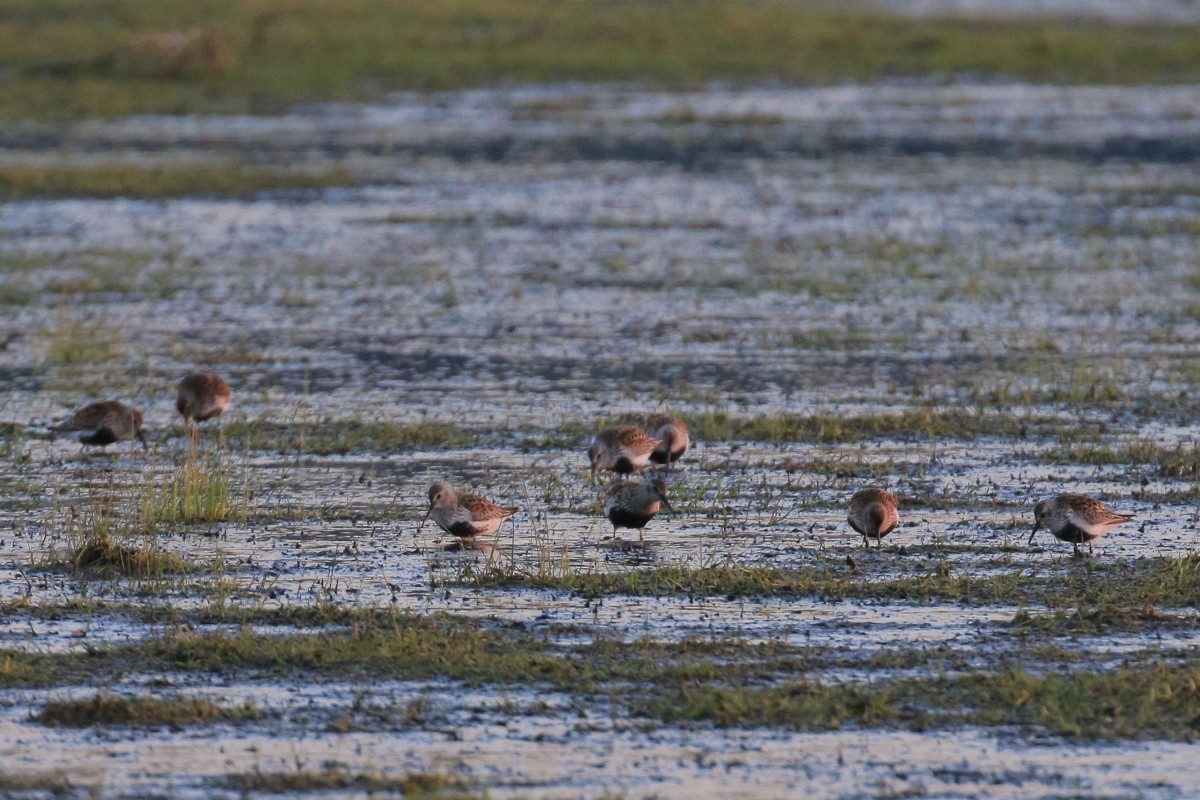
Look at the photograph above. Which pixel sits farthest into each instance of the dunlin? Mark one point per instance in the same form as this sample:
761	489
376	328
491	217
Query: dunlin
633	505
623	450
202	395
874	514
674	435
1075	518
464	515
104	423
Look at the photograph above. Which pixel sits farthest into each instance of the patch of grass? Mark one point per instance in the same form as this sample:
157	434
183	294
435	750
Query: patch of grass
1159	582
925	422
1158	701
726	682
1104	619
73	343
72	59
198	489
113	180
344	436
334	779
1180	461
103	554
107	709
829	428
101	539
48	276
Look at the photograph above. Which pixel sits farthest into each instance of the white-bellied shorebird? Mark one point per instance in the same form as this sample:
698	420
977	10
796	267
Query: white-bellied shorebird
1075	518
464	515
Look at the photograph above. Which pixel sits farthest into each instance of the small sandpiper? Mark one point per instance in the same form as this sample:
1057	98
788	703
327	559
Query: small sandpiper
623	450
202	395
104	423
674	436
633	505
464	515
1075	518
874	514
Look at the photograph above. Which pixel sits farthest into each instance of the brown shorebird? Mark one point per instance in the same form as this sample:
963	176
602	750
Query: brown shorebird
623	450
874	514
104	423
633	505
464	515
1075	518
674	436
202	395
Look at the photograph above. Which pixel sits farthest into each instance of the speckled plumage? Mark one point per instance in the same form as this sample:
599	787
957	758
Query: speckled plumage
673	434
1075	518
464	515
873	513
104	423
201	396
633	505
622	450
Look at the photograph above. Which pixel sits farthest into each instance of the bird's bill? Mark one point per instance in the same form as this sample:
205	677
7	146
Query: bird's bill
142	438
425	518
666	503
1036	527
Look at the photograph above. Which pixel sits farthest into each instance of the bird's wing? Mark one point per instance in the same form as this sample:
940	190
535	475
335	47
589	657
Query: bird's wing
483	509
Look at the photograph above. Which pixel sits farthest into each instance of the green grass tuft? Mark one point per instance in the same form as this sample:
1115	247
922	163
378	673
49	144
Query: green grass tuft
107	709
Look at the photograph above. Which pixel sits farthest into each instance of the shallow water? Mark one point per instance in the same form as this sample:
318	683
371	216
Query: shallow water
525	258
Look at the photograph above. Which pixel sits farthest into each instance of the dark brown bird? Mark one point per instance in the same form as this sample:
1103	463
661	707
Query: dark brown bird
1075	518
464	515
623	450
633	505
674	436
202	395
874	514
104	423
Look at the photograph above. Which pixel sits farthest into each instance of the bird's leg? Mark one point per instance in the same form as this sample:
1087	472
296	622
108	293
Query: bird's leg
1091	552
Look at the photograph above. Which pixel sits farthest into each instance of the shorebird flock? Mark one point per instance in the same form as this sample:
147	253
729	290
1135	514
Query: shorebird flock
625	451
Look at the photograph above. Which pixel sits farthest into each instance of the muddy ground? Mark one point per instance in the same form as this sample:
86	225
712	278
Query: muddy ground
519	266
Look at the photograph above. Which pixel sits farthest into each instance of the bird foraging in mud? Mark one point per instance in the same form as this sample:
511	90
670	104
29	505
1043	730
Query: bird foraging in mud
622	450
202	396
464	515
673	435
104	423
873	513
1075	518
633	505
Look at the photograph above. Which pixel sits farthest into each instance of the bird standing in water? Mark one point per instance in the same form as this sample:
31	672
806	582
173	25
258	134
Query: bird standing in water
874	513
633	505
464	515
1075	518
